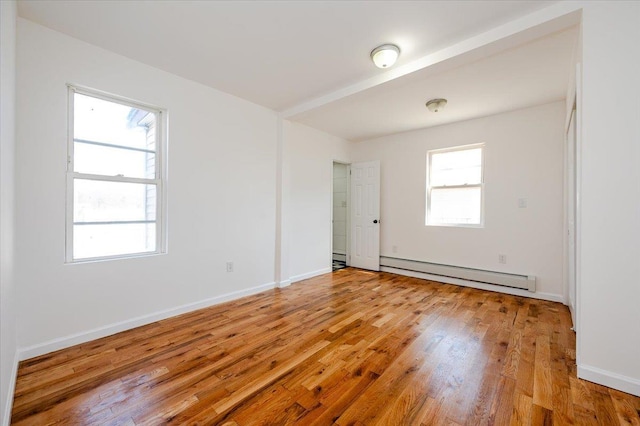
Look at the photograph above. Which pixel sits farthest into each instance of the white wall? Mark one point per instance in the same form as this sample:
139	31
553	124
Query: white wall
609	291
7	146
310	154
237	146
523	159
221	196
340	208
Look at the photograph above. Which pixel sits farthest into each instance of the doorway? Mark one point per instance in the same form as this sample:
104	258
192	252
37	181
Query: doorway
340	215
355	215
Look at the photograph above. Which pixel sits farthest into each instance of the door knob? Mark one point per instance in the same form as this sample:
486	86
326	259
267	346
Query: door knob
375	220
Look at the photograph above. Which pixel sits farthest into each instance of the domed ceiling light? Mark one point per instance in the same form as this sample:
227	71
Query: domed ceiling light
435	105
385	56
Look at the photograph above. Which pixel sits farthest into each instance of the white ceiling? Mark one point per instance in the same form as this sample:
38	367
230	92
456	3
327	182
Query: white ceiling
287	55
531	74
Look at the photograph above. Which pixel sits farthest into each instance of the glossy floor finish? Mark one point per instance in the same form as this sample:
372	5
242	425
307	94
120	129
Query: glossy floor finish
347	348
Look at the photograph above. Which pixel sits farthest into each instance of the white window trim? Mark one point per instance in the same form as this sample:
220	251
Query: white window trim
429	187
159	180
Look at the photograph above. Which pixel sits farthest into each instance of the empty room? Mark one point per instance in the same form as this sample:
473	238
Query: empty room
319	212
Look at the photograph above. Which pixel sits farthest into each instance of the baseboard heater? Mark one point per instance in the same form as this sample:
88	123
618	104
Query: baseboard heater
525	282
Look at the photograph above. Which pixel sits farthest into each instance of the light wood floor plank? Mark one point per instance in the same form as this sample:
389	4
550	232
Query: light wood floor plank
347	348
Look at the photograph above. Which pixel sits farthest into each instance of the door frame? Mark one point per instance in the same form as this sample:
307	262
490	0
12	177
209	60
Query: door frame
571	197
577	326
575	97
348	225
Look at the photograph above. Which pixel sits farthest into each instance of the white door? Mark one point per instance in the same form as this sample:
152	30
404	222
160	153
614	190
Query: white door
365	215
571	214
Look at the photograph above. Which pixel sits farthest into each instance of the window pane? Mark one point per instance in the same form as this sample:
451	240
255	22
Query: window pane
455	206
104	201
456	167
98	120
103	160
112	240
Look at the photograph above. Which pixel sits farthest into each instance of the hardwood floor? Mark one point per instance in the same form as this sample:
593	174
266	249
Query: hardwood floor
348	348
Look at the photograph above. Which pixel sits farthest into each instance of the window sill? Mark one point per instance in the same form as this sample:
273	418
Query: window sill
117	257
455	225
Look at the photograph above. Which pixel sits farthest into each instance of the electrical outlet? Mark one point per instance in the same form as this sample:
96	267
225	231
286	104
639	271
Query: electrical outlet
502	258
394	249
229	266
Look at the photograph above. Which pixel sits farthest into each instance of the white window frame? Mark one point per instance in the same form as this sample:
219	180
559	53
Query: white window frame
429	187
159	180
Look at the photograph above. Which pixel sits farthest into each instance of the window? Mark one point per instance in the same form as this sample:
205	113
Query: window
114	178
454	186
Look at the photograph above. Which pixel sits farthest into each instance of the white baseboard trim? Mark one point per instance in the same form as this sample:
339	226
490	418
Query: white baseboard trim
482	286
308	275
609	379
6	420
97	333
283	284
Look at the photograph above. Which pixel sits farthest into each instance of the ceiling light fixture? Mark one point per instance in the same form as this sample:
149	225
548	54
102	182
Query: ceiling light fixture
385	56
435	105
